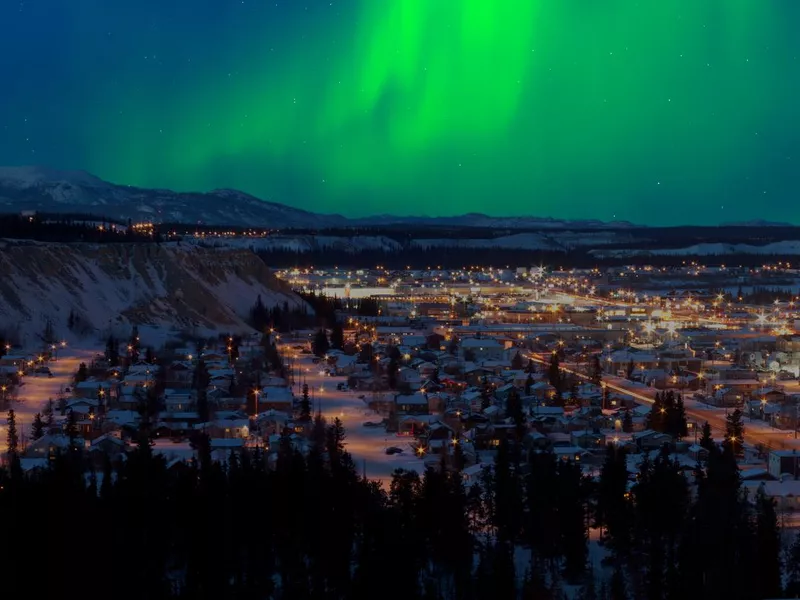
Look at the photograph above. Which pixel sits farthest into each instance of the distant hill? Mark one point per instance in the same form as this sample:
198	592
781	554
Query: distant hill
51	191
78	192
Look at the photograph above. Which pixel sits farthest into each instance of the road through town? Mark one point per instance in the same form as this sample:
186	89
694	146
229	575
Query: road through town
36	389
367	445
755	432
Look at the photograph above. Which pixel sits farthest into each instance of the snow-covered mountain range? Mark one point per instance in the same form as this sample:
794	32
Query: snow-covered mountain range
62	192
54	191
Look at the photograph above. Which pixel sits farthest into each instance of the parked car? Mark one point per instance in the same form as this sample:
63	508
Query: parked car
372	424
394	450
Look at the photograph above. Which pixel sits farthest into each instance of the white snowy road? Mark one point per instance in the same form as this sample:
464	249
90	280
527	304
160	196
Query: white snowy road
367	445
32	396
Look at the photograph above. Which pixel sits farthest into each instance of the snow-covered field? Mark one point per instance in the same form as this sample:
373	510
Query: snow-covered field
783	248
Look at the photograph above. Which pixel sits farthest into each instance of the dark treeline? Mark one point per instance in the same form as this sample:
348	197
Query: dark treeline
650	237
456	258
319	311
68	229
311	527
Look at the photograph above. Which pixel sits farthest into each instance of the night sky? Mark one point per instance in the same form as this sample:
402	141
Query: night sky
656	111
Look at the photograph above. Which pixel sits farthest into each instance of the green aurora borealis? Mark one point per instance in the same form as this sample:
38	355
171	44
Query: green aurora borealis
665	112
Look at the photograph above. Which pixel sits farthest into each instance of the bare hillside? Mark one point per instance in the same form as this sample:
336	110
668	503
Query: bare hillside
170	285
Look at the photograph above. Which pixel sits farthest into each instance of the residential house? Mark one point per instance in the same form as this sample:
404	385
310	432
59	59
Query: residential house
782	462
345	365
480	349
650	440
678	359
618	362
409	378
272	422
413	404
106	447
543	391
572	453
179	374
47	446
276	398
227	428
785	493
179	400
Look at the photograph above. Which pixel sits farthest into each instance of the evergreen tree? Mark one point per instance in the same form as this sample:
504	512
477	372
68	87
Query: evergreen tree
588	590
596	371
657	417
337	336
554	372
318	432
614	509
71	428
531	367
82	374
617	588
706	441
768	547
203	409
320	344
48	413
112	351
515	412
391	373
486	397
528	385
334	440
793	568
734	432
365	356
12	437
516	361
201	379
676	419
627	422
37	428
305	405
629	370
452	347
572	520
506	509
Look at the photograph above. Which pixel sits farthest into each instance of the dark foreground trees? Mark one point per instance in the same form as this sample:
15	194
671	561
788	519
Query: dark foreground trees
308	526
